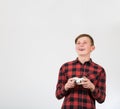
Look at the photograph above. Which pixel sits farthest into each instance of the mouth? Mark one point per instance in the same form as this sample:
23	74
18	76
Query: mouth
81	49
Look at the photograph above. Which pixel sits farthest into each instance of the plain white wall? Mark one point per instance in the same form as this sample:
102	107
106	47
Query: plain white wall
37	37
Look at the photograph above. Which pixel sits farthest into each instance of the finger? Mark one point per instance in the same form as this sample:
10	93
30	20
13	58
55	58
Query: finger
84	77
71	79
84	82
85	86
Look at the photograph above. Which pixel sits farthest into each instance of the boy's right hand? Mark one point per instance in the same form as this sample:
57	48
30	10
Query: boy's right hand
70	84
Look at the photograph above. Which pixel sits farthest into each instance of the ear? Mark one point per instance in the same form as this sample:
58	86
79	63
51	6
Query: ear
92	48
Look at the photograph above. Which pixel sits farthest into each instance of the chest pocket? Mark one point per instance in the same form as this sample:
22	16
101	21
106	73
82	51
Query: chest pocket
93	76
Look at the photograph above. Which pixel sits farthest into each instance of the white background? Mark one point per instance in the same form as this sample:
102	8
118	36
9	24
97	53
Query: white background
37	37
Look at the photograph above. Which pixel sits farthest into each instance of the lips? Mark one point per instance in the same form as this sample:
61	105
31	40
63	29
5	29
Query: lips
81	49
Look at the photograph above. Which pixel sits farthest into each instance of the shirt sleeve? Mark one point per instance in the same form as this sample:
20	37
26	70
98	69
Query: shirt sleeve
100	89
60	90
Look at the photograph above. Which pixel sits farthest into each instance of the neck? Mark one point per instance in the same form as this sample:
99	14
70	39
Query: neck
83	59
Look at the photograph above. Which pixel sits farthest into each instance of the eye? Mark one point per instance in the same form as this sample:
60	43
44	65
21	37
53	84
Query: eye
85	42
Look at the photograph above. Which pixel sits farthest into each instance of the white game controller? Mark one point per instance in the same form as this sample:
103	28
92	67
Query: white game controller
78	81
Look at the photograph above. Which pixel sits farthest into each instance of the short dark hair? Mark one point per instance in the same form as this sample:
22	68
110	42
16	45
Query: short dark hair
85	35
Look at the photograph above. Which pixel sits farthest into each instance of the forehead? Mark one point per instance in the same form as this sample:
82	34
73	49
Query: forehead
87	39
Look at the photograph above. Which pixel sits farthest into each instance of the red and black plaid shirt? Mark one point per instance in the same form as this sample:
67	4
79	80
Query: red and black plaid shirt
79	97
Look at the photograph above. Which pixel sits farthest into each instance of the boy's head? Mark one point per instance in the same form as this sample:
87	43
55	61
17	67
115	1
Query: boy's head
84	44
85	35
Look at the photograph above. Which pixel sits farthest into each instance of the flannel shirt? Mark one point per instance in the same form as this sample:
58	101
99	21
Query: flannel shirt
79	97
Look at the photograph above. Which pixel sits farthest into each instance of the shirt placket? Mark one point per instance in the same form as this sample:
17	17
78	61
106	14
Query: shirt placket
83	66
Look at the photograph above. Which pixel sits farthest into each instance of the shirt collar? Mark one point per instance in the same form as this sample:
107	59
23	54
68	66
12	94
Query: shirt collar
87	62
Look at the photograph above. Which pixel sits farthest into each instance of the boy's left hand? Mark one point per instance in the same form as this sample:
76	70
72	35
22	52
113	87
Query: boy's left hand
86	83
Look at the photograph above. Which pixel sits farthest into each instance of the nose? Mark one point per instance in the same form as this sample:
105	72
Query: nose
81	44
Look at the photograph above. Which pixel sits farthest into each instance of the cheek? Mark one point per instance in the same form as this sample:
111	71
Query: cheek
88	49
76	47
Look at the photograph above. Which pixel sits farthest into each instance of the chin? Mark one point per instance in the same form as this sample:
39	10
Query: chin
82	54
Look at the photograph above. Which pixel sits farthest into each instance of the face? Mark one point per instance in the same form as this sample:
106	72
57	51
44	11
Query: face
84	46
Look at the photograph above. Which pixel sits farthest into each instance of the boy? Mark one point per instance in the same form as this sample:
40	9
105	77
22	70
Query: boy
81	94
